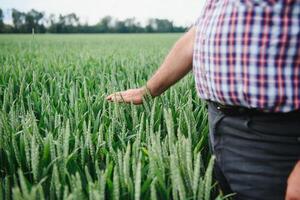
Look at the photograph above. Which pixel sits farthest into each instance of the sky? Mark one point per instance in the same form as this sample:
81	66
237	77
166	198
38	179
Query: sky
182	12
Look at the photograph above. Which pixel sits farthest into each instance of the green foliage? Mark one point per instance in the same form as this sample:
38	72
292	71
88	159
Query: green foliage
26	22
35	21
60	138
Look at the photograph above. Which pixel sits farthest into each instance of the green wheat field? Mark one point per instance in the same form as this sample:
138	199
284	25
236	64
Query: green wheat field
60	138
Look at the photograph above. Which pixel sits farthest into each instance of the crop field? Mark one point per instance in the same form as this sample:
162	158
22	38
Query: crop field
60	138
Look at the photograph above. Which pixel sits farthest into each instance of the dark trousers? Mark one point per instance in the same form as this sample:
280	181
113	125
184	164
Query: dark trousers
254	153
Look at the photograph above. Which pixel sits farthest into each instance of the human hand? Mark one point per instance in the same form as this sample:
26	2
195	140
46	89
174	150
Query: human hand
134	96
293	188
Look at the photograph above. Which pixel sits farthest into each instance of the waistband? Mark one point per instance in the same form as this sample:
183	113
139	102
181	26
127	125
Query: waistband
240	110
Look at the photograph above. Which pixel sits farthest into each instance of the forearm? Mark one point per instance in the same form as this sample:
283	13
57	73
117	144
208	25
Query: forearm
175	66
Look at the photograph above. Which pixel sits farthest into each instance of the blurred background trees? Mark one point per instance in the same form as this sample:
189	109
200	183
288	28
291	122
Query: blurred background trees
1	20
39	22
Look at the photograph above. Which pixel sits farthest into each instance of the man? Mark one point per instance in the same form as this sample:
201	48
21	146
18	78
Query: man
245	55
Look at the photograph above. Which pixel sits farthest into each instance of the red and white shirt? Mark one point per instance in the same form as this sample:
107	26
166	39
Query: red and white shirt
247	53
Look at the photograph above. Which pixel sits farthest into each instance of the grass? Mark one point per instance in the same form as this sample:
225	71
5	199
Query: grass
60	139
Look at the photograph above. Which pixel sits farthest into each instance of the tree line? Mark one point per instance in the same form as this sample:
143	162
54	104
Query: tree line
33	20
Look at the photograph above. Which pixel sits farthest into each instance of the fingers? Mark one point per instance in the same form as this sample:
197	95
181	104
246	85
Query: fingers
292	195
116	97
129	96
293	190
109	97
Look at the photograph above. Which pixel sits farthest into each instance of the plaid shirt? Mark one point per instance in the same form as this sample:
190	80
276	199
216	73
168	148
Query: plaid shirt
247	53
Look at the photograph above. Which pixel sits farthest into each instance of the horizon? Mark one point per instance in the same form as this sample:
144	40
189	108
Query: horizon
91	11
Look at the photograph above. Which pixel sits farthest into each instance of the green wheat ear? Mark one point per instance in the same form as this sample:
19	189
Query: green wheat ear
60	138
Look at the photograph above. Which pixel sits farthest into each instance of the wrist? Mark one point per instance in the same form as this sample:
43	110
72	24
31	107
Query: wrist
147	90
